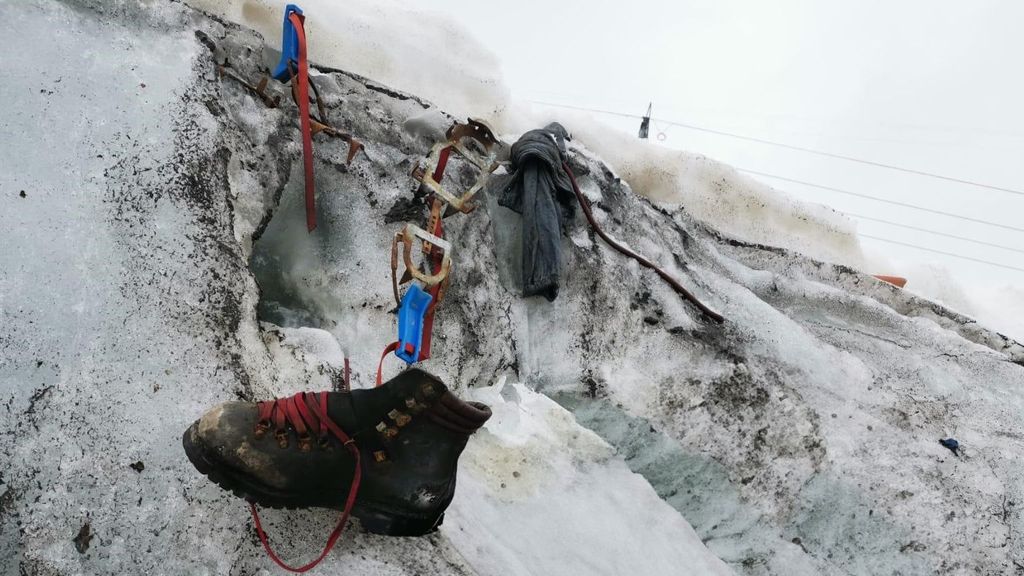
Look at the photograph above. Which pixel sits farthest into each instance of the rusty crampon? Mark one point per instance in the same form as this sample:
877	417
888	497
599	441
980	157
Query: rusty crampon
482	154
259	89
431	172
475	142
321	124
318	123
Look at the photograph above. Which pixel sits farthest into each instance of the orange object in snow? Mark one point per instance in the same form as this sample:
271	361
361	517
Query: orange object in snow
894	280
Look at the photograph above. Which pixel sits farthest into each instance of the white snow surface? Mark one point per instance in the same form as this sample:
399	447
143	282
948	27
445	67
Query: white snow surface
800	437
540	494
399	45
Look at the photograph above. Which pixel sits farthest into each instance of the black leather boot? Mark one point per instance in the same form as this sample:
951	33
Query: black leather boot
403	439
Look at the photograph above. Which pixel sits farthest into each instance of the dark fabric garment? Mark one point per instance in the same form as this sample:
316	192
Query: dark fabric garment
541	192
952	445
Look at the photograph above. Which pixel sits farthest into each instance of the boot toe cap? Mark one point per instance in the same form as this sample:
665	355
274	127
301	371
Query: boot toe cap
224	438
224	425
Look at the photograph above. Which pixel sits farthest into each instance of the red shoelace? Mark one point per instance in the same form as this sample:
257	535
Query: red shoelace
306	412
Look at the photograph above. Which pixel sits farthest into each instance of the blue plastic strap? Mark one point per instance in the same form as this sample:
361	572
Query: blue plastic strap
414	307
289	46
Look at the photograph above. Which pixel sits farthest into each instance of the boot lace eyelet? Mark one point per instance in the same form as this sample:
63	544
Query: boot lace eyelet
400	418
282	438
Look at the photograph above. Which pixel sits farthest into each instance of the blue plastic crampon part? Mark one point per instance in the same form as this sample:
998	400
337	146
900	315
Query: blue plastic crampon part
289	46
410	323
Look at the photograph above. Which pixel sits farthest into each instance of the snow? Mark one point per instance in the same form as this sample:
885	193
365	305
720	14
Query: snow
148	319
413	50
997	305
800	437
540	494
1000	306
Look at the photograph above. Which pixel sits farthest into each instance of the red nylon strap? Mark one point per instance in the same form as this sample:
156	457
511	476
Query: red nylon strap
318	408
304	413
428	318
442	162
323	418
295	410
380	366
435	262
302	95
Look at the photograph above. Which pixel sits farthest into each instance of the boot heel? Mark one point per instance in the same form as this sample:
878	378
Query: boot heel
388	524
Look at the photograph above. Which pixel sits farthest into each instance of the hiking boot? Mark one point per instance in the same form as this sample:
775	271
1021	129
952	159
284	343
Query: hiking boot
389	453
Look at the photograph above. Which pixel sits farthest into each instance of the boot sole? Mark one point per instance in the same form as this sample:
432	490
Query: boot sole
375	519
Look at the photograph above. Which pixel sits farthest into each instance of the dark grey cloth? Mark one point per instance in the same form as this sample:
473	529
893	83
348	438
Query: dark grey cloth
541	192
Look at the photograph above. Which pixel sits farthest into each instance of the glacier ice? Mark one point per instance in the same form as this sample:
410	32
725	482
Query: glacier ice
800	437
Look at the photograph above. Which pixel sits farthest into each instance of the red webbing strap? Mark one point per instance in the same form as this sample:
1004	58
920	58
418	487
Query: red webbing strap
428	318
302	95
380	366
442	162
435	262
357	476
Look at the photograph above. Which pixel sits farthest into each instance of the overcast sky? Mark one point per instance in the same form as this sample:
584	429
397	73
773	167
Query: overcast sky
930	85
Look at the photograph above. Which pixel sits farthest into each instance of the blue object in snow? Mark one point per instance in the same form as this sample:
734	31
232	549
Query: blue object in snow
289	46
410	323
952	444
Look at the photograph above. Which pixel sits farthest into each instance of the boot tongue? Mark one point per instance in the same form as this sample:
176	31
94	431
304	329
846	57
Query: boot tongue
341	409
400	396
406	393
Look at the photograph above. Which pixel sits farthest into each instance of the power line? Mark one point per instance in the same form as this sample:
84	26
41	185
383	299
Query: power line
885	200
990	263
840	191
936	232
585	109
792	147
912	227
932	127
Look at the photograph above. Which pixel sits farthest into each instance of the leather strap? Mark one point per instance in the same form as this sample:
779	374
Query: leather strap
689	297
